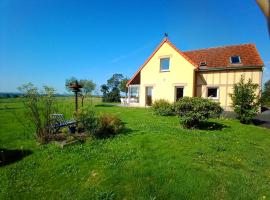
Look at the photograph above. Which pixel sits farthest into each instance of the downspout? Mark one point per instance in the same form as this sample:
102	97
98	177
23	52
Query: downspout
194	82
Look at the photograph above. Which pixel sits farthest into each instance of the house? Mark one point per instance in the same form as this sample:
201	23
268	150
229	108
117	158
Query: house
210	73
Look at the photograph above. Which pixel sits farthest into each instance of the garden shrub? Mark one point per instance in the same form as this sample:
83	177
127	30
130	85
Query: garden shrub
87	120
162	107
245	101
108	125
103	126
195	110
39	105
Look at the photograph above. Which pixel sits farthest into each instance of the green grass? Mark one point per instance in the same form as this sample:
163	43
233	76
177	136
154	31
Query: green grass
155	159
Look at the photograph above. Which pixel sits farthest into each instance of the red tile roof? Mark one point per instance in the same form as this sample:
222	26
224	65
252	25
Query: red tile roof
219	57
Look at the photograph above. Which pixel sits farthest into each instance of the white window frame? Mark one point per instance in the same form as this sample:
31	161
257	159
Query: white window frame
164	70
217	97
129	93
239	60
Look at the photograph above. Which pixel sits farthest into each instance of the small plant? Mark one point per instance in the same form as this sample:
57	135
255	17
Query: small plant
108	125
162	107
245	101
195	110
107	195
87	120
39	105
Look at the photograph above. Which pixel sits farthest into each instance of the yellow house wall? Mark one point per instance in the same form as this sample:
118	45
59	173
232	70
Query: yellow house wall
224	80
181	73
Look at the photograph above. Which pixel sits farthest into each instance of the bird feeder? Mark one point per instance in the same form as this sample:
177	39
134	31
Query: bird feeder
76	88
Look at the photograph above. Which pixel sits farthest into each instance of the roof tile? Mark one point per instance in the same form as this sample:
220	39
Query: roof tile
220	56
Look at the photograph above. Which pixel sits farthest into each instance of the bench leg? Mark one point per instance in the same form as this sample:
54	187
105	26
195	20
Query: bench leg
72	129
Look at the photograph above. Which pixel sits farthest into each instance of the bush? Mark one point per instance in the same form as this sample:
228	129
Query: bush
108	125
39	105
162	107
87	120
195	110
245	101
104	126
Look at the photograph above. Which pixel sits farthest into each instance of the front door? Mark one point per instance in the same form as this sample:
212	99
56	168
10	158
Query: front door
148	95
179	93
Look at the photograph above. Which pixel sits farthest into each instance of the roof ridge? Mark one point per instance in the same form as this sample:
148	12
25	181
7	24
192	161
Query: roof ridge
224	46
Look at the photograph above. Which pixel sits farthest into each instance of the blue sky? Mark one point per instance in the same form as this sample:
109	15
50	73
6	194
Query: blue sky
47	41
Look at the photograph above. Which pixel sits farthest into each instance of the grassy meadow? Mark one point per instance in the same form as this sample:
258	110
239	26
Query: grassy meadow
154	159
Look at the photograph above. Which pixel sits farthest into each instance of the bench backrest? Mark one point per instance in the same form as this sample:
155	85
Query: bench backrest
58	119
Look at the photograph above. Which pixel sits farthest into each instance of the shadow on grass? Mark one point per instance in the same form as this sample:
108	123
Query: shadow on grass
107	133
127	131
262	123
10	108
105	105
10	156
211	126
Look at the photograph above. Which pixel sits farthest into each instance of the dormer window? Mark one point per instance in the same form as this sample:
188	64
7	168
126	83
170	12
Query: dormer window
235	60
203	64
164	64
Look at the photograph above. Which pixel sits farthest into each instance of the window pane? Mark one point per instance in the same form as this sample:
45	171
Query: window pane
212	92
179	93
235	59
164	64
134	94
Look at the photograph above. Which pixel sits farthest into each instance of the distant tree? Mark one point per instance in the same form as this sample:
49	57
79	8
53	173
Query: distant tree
266	94
88	86
115	81
111	90
105	90
114	95
245	101
123	87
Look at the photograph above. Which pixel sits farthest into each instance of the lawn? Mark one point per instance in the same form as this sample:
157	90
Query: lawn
154	159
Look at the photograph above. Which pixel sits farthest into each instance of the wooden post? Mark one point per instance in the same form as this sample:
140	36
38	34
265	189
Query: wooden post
76	101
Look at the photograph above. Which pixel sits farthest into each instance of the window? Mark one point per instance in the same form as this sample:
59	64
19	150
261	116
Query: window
203	64
212	93
235	60
134	94
179	93
164	64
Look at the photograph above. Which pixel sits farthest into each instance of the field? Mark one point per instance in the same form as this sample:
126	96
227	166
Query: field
154	159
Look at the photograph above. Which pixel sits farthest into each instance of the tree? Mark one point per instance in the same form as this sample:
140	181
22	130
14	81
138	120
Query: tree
88	86
115	81
114	95
105	90
123	86
111	90
266	94
245	101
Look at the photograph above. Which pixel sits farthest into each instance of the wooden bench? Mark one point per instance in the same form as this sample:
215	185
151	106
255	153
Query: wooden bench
58	121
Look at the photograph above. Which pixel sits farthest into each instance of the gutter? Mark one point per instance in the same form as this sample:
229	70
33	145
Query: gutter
228	68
